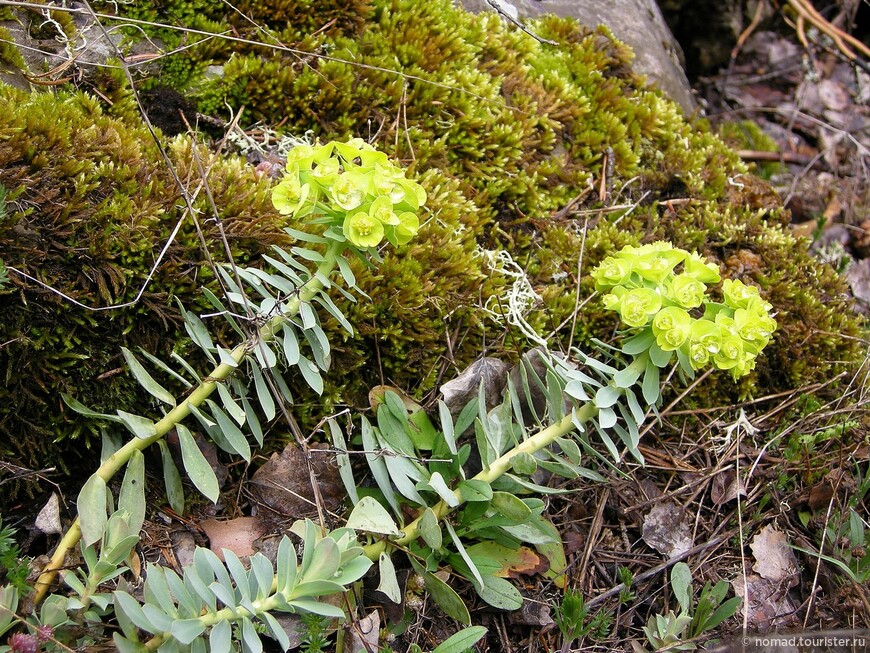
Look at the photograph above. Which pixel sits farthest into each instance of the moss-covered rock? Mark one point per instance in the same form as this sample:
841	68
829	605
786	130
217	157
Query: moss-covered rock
547	152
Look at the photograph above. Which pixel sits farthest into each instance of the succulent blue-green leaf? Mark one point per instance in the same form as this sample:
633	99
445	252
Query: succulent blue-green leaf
126	644
346	272
166	368
157	617
447	426
430	530
378	466
171	479
225	356
229	403
189	606
237	571
291	260
524	464
317	607
352	570
576	389
141	427
465	419
626	377
392	431
343	459
404	475
156	589
303	236
370	516
197	586
637	413
278	632
659	356
316	588
513	483
606	418
310	374
570	449
187	630
93	513
220	637
288	273
132	495
462	641
607	396
325	561
511	507
230	431
71	579
264	354
307	254
460	548
253	421
307	315
681	583
554	396
198	469
262	572
475	490
437	483
388	584
146	380
608	442
534	531
219	306
596	364
224	594
324	300
250	639
443	595
286	564
290	344
319	346
639	343
198	332
187	366
650	387
133	612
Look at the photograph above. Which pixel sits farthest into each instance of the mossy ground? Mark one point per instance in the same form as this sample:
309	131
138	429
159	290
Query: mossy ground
503	131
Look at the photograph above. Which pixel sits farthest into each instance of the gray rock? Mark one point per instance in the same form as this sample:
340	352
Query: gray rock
639	23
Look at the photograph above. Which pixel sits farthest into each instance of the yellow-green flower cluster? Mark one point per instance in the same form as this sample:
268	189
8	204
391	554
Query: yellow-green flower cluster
660	290
352	185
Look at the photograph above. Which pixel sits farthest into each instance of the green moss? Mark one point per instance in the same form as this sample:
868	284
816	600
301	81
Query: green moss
10	56
748	135
504	133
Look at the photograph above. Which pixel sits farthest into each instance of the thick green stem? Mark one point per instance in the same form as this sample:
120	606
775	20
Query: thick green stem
499	466
219	374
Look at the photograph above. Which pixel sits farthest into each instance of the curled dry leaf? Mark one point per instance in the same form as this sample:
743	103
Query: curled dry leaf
666	529
48	519
237	535
774	559
283	484
460	391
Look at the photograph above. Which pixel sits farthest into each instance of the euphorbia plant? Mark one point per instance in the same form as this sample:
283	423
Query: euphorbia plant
474	520
357	198
479	522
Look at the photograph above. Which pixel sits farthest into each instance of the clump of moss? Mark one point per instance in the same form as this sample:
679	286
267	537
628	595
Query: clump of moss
521	146
748	135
